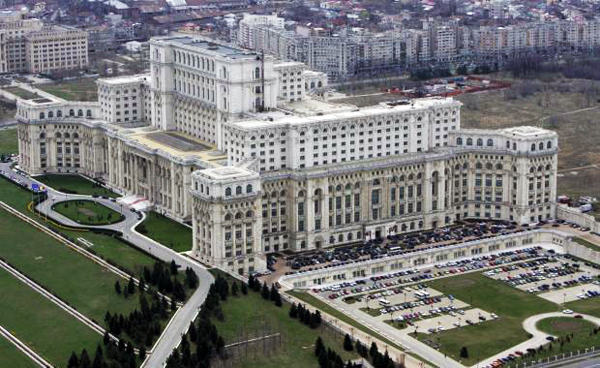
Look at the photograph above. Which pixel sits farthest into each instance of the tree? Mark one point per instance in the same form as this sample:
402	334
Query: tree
348	343
278	302
273	292
293	311
106	338
374	351
118	287
84	360
131	286
464	352
142	353
73	361
234	289
265	291
173	267
319	346
244	288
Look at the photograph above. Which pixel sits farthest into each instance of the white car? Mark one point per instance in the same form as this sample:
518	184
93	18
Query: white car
567	311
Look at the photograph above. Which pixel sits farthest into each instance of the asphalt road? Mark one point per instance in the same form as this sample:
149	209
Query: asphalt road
180	322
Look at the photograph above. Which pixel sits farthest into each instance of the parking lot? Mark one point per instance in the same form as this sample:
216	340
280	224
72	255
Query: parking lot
570	294
393	282
546	274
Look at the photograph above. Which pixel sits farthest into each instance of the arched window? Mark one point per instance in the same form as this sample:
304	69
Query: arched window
479	166
479	142
238	216
67	135
238	189
71	112
282	193
490	142
257	73
533	147
469	141
488	166
301	193
549	145
88	113
42	115
58	135
42	135
459	141
75	135
50	114
499	167
541	146
79	112
249	188
59	114
227	192
376	182
514	146
507	144
340	238
249	214
228	217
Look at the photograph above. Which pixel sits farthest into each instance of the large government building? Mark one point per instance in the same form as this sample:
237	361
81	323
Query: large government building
235	143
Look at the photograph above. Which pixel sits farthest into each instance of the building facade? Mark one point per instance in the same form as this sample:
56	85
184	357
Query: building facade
215	139
27	45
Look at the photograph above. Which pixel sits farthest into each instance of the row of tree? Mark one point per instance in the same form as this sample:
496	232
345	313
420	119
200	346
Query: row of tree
202	342
166	281
328	358
142	325
304	315
267	293
114	355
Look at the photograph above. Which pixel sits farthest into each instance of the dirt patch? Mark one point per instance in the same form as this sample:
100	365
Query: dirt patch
566	326
464	283
87	212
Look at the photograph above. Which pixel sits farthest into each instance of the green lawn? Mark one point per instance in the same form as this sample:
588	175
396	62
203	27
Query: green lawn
491	337
21	93
88	212
297	351
8	141
168	232
76	279
108	247
10	356
82	89
39	323
560	327
589	306
317	303
74	184
587	244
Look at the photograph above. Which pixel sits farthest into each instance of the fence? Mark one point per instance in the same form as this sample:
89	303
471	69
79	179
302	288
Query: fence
559	360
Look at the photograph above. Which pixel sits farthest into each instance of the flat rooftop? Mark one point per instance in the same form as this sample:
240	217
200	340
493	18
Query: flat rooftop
315	113
526	131
226	173
173	143
125	79
226	51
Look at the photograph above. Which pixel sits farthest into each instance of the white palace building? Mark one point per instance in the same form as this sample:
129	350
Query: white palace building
232	142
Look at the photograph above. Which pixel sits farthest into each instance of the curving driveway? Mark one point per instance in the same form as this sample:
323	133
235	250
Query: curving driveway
178	325
539	337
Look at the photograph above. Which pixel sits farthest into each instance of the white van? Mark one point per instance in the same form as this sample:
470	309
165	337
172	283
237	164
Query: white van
384	302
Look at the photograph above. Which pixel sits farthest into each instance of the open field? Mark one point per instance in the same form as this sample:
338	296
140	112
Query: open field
43	326
77	280
88	212
251	313
74	184
167	232
10	356
491	337
586	306
21	93
582	337
8	141
317	303
106	246
82	89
